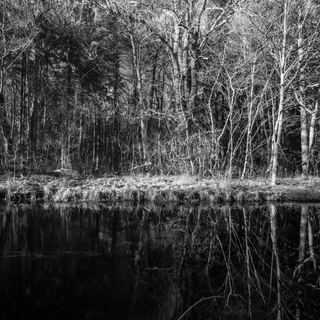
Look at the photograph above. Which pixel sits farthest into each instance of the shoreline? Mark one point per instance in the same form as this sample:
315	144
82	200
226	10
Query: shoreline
156	189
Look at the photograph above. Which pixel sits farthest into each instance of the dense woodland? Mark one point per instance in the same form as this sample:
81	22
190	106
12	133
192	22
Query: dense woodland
167	87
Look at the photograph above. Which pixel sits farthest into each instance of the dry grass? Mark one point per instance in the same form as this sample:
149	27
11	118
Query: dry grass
157	189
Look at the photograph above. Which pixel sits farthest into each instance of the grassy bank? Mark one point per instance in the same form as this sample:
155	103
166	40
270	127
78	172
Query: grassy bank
157	189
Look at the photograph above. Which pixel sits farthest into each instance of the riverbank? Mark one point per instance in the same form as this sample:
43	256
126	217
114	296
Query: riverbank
157	189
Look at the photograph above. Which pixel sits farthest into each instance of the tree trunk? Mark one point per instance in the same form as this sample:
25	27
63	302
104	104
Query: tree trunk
139	95
34	118
249	126
302	90
277	130
313	123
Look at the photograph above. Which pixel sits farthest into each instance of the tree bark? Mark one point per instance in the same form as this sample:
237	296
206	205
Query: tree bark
249	125
277	130
302	91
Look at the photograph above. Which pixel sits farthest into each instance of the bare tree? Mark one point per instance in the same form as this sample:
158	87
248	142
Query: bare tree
282	64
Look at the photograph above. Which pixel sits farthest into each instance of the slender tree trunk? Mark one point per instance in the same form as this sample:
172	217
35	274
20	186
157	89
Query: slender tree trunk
139	98
313	123
34	118
22	97
4	46
249	126
28	107
116	151
277	130
3	140
302	90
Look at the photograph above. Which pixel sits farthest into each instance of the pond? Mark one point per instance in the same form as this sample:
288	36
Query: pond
170	262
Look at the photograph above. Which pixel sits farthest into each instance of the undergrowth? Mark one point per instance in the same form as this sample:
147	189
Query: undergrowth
157	189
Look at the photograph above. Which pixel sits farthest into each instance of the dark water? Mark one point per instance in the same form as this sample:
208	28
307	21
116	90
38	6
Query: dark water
122	262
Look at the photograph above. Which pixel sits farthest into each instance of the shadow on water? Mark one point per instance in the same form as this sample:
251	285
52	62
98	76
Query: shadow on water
227	262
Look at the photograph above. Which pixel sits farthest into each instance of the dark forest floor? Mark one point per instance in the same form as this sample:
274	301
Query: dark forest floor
157	189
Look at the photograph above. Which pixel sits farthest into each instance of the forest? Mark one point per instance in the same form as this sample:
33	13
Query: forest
202	87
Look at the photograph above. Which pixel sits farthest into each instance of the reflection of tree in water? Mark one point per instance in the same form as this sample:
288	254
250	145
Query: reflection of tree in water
161	263
231	266
76	262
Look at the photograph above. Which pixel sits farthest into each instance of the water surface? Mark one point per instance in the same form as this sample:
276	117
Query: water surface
147	262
